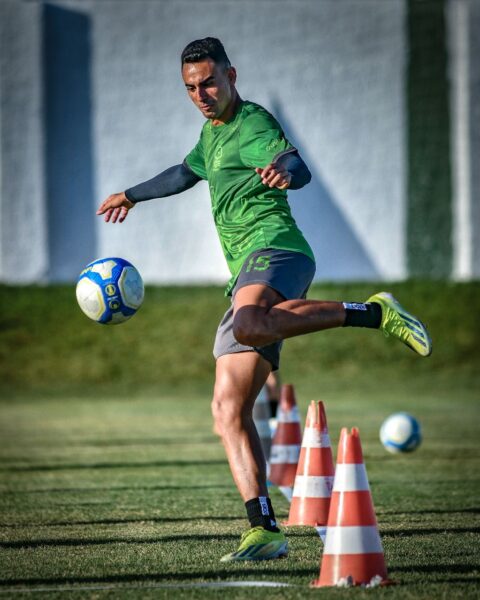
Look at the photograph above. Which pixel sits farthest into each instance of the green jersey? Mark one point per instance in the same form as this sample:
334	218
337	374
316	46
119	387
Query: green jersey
248	215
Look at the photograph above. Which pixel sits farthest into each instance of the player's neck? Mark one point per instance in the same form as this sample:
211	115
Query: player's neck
229	111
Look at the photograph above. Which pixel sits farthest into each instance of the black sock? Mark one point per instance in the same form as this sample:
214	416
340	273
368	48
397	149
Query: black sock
260	512
363	315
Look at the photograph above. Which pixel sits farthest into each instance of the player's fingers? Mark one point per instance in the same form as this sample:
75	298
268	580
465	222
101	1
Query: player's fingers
271	175
108	214
273	182
123	215
106	204
102	208
266	172
115	215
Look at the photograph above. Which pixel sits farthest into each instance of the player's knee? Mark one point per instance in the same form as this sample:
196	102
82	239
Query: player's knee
226	412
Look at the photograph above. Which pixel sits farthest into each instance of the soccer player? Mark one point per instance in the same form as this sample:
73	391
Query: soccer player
249	165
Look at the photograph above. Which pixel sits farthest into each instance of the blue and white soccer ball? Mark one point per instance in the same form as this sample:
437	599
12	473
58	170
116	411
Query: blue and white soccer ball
110	290
401	432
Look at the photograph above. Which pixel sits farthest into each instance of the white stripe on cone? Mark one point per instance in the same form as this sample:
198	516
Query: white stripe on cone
313	438
352	540
350	478
289	416
309	486
281	454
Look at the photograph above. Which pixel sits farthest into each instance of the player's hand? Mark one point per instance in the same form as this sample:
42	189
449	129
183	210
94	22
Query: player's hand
274	176
115	208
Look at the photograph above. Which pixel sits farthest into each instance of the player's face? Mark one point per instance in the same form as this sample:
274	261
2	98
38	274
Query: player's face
210	86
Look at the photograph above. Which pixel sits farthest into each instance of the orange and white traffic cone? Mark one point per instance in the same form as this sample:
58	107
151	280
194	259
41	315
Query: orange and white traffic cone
261	418
315	472
286	442
353	553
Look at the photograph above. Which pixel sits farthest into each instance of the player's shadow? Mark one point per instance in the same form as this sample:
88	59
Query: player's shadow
339	253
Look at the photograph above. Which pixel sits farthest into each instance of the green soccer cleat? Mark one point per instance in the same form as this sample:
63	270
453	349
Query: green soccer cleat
399	323
259	544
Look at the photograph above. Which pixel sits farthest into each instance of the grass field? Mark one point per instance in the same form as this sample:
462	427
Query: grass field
113	484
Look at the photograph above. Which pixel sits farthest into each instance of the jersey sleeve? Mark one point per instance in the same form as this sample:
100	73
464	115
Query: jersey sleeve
262	140
195	160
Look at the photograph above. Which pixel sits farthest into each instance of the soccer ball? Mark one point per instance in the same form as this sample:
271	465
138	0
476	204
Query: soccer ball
110	290
400	432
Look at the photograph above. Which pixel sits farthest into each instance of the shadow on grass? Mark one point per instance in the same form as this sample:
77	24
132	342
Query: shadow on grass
222	574
459	580
113	465
120	488
105	542
122	522
434	511
438	568
430	531
118	540
107	443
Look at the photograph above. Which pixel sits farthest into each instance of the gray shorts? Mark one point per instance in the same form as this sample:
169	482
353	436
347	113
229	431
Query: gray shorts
288	273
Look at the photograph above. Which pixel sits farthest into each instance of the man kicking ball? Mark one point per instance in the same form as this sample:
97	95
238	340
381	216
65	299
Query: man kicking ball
249	165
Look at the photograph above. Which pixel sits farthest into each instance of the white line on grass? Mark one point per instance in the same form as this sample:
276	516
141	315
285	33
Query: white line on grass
218	584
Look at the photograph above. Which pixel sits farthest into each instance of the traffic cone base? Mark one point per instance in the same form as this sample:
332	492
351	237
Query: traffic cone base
353	553
358	568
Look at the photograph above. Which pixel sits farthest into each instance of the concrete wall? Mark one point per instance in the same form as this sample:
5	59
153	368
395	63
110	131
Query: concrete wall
333	73
333	77
23	228
464	50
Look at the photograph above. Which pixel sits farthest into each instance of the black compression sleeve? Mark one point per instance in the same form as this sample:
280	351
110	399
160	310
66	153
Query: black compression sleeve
293	163
172	181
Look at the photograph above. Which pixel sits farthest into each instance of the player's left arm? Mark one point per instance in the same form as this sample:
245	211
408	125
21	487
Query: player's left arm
287	170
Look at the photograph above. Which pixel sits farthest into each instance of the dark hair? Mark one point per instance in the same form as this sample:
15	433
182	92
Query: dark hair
209	47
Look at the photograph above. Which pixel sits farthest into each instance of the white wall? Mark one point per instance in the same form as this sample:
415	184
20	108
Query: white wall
333	72
23	235
463	17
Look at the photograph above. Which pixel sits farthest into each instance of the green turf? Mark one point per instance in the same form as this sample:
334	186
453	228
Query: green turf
115	480
46	343
105	492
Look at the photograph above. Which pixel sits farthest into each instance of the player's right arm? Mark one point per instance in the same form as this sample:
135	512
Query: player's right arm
172	181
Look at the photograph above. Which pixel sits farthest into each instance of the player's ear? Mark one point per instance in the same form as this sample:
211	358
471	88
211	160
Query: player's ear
232	75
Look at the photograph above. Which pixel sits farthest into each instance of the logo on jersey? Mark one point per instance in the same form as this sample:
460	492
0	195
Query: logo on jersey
217	160
272	145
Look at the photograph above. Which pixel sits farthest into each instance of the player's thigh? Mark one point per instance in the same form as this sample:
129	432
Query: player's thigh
256	294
